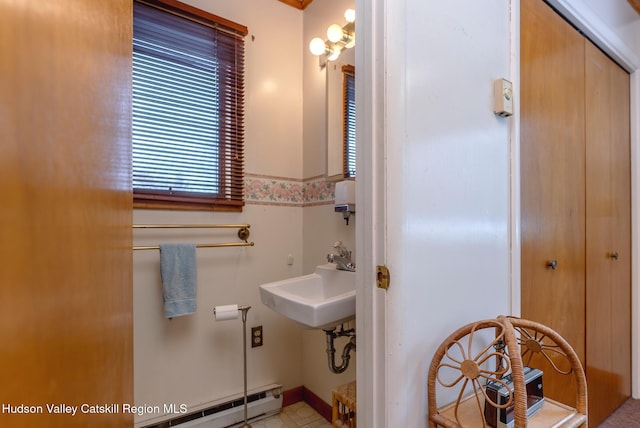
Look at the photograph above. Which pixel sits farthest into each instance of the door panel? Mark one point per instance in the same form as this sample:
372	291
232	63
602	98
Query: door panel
65	217
608	286
621	229
552	178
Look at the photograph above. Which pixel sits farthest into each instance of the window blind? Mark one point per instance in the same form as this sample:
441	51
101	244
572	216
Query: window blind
349	120
188	108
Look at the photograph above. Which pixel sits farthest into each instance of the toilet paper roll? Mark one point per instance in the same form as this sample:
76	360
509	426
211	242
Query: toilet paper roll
226	312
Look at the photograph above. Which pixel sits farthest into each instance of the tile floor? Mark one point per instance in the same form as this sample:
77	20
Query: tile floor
297	415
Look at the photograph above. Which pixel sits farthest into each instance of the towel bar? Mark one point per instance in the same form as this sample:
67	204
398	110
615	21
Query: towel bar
226	244
243	234
191	226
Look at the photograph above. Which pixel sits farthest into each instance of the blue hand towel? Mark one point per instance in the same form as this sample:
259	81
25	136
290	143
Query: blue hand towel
179	279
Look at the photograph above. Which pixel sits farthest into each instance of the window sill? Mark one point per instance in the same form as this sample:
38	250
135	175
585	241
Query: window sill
185	206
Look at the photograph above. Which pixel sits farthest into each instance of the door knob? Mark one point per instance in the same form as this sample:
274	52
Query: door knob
614	256
553	264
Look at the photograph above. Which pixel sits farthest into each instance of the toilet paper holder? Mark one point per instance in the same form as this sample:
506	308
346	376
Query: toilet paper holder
221	313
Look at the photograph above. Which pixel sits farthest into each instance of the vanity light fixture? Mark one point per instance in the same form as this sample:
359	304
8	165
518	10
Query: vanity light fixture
338	38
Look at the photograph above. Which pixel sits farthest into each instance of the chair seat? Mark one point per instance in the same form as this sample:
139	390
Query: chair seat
552	414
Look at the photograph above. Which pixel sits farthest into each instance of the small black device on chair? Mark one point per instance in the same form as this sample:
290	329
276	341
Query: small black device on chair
499	394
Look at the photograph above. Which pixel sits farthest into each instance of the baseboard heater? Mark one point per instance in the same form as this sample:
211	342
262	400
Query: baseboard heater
261	404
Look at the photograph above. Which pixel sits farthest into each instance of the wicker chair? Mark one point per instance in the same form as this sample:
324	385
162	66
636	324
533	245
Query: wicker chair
486	351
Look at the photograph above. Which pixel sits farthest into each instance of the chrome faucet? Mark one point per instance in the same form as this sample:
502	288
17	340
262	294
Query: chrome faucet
342	259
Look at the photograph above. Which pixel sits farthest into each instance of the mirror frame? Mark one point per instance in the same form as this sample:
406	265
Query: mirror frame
335	167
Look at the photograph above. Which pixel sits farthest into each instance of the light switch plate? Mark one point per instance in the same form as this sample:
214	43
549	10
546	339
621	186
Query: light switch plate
503	94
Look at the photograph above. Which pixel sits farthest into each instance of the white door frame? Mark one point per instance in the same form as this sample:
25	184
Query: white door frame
371	224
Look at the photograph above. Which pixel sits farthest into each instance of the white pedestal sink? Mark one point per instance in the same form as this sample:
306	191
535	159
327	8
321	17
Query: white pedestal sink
322	299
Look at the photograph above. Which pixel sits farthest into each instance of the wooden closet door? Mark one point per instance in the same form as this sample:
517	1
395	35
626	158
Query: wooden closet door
66	310
552	179
608	285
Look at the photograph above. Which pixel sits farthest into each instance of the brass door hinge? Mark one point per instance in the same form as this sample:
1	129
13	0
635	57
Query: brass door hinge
382	277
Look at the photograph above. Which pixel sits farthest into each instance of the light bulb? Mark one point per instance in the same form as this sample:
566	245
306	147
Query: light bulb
317	46
334	33
350	15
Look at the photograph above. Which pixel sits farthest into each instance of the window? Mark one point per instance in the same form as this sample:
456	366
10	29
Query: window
188	108
349	120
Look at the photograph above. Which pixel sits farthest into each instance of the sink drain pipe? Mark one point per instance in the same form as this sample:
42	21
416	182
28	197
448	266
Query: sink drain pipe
331	335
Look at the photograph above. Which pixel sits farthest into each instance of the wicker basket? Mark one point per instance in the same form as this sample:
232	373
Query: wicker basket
344	406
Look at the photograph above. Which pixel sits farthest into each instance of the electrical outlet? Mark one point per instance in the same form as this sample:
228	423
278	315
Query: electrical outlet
256	336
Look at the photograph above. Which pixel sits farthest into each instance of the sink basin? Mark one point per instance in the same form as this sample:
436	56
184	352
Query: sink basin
322	299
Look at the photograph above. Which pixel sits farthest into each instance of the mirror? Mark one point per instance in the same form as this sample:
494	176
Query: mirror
340	118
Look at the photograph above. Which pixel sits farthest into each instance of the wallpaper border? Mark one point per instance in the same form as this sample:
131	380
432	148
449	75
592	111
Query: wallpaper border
291	192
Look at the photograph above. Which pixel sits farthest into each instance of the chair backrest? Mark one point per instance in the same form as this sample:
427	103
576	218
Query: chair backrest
486	351
472	355
541	343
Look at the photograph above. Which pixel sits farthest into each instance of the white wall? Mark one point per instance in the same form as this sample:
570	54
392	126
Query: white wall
194	359
447	184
